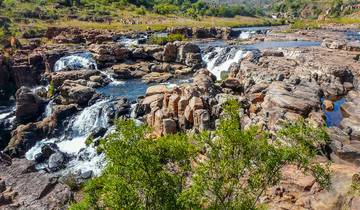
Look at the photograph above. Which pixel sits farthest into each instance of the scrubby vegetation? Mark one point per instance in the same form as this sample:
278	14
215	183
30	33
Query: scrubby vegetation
310	9
162	40
228	168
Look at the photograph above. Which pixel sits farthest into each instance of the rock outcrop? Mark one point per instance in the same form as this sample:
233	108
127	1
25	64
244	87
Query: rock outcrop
29	106
185	107
23	187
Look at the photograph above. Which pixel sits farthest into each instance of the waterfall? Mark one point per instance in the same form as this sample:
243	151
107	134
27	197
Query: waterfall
49	109
246	34
220	59
76	61
72	142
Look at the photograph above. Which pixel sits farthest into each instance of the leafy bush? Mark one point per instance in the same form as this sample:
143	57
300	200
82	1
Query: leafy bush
228	171
165	9
140	11
51	90
305	25
143	173
162	40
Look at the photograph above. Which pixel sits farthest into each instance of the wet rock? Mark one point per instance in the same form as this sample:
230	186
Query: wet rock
25	136
98	132
56	161
46	151
72	92
86	174
29	106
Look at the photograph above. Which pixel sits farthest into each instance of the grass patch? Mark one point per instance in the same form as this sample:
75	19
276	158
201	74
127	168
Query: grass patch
161	22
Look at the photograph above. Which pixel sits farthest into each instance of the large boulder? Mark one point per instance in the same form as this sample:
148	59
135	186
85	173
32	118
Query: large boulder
188	54
130	71
170	52
59	77
110	53
29	106
72	92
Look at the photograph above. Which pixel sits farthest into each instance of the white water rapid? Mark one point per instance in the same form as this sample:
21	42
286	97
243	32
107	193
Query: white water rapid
220	59
76	61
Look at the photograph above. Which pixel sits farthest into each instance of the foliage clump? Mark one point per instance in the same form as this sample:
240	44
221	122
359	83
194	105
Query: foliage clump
162	40
229	168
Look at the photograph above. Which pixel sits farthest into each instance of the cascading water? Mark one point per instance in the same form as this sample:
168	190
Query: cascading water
220	59
72	142
76	61
246	34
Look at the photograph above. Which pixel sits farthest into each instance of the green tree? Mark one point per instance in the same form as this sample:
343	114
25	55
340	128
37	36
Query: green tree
242	164
142	172
231	167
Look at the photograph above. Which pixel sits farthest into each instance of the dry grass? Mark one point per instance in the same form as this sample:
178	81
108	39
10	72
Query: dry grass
156	22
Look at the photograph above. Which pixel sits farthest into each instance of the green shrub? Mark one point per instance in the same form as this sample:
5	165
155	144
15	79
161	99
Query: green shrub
162	40
89	140
166	8
308	25
70	180
140	11
51	90
233	167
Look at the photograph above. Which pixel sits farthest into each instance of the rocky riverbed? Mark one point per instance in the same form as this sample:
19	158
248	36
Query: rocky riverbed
55	96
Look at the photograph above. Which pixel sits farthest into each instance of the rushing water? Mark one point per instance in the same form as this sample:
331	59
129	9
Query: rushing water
72	142
248	32
222	56
76	61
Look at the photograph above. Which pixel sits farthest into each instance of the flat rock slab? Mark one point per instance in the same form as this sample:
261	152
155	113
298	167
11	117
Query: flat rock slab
31	189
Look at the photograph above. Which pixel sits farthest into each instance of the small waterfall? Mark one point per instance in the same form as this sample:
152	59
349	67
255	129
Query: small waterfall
76	61
246	34
49	109
220	59
73	140
7	112
90	118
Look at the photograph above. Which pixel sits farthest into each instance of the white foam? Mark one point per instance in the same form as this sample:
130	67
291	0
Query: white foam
76	61
217	69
